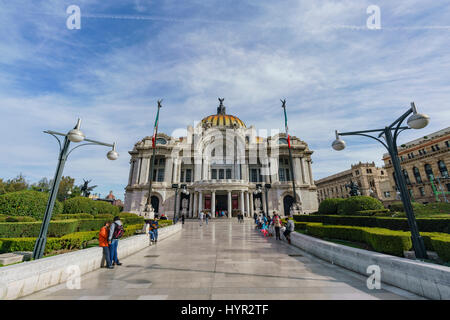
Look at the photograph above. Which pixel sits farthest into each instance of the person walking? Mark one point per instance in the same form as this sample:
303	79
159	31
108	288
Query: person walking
115	233
103	243
255	217
182	219
155	226
290	226
150	232
277	224
206	217
200	217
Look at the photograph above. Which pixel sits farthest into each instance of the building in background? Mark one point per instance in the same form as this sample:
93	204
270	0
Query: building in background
220	162
372	181
424	164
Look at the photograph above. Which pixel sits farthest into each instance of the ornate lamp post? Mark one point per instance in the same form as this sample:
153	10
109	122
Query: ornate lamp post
390	133
75	135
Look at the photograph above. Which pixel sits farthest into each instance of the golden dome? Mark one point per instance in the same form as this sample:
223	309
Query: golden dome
226	120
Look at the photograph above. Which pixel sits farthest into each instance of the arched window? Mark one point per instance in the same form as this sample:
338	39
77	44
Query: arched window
417	175
443	169
429	171
405	174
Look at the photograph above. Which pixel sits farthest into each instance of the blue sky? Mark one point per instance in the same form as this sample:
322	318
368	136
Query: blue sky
333	71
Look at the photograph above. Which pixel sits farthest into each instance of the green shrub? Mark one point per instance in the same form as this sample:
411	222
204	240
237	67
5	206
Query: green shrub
78	240
358	203
27	244
72	216
329	206
89	224
27	203
165	223
442	247
105	207
19	219
79	204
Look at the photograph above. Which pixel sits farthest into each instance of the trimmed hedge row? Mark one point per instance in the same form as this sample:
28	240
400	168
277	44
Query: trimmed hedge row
72	216
329	206
76	240
381	240
424	224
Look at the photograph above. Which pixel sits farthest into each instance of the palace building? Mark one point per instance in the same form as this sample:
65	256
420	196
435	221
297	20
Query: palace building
223	167
424	163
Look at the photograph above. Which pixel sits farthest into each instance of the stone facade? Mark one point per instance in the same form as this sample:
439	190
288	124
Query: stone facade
220	164
421	158
372	181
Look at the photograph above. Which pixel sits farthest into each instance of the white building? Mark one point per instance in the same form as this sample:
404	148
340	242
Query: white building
222	164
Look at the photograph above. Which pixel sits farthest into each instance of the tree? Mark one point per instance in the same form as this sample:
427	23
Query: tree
17	184
65	186
2	187
42	185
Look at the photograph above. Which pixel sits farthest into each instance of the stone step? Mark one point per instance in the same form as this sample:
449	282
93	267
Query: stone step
14	257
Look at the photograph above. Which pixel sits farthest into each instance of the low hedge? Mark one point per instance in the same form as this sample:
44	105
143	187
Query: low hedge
31	229
72	216
83	204
165	223
105	216
376	212
381	240
424	224
19	219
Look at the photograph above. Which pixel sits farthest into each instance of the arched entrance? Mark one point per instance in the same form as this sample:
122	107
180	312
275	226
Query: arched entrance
155	203
287	204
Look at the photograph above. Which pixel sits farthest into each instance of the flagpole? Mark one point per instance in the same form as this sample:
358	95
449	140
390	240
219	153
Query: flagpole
155	132
290	151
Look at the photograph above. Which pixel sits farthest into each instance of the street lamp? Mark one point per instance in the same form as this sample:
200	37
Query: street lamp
390	135
75	135
175	186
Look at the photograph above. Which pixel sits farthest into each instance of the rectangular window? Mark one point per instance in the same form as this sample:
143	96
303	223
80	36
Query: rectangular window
288	177
188	175
447	144
182	176
221	174
154	175
214	174
160	175
387	194
437	147
228	173
281	174
162	161
422	191
254	175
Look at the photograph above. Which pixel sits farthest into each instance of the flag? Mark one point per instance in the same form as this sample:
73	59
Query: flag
287	129
155	130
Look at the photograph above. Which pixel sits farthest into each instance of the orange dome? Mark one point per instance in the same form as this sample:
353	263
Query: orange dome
226	120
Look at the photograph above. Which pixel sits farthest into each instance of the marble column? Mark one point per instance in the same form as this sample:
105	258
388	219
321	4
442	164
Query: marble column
242	201
175	171
168	170
191	204
251	205
195	208
178	200
213	204
263	199
302	167
200	202
229	205
310	172
247	202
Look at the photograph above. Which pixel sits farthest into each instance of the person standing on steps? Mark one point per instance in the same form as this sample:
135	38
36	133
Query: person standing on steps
277	224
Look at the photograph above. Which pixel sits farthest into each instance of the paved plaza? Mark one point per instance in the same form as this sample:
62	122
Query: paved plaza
224	260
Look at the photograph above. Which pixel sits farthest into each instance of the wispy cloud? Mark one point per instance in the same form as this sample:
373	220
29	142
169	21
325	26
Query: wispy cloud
111	72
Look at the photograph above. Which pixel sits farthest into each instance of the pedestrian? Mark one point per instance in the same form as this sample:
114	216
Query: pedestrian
150	231
290	226
115	233
155	227
103	242
200	217
206	217
182	219
255	217
277	224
